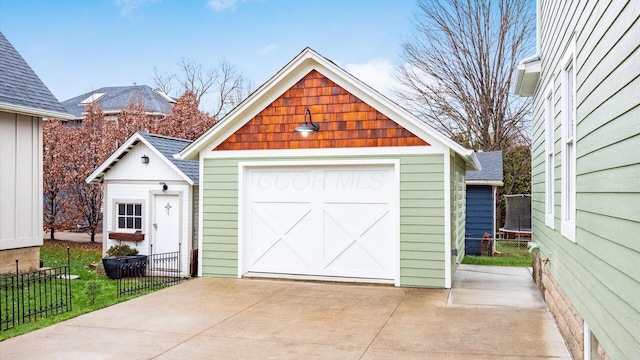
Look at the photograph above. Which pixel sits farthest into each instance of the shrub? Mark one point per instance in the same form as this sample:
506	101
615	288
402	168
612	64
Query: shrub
92	289
121	250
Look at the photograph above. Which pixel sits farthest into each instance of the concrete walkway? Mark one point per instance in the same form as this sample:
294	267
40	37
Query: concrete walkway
492	313
74	236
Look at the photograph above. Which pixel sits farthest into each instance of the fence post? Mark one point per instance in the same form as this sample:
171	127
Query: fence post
68	287
21	300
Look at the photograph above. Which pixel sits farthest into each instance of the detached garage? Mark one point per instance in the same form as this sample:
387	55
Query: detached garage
316	175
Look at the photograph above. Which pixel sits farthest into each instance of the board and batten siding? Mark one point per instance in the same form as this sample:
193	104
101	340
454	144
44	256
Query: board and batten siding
20	181
421	217
599	271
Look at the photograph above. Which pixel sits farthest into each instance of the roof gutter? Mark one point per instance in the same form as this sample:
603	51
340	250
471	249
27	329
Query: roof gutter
527	76
29	111
485	182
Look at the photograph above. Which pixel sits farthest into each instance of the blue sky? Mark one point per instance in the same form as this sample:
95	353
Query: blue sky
79	46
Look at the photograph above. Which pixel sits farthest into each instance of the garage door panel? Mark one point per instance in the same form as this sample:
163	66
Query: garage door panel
321	221
282	256
343	263
281	216
279	236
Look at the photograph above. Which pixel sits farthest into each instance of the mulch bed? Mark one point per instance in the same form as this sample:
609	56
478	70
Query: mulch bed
73	244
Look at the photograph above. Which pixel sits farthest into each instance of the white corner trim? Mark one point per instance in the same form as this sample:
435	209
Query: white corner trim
447	221
200	213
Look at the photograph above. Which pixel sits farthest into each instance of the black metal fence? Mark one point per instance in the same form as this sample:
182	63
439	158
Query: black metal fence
156	271
29	296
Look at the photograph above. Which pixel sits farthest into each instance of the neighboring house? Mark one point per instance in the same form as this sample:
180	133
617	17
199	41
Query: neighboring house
373	195
148	191
482	192
24	101
585	83
115	99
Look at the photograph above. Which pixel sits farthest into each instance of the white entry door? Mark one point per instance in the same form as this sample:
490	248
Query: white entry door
166	225
329	221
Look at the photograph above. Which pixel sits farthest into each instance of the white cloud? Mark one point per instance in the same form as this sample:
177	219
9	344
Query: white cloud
377	73
128	6
269	48
219	5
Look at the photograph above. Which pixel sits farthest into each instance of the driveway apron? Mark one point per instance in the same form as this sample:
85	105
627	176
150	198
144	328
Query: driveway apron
491	313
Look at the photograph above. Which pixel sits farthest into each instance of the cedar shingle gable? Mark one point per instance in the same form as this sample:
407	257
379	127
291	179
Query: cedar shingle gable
345	121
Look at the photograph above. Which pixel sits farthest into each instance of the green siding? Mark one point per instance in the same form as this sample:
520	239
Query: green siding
421	217
599	272
422	221
220	218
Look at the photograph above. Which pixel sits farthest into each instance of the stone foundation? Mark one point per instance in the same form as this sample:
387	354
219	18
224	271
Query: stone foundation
569	321
29	259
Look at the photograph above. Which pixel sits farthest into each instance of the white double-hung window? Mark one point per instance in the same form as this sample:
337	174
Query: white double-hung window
568	193
549	145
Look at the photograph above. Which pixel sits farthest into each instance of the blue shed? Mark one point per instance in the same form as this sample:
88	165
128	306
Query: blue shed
481	199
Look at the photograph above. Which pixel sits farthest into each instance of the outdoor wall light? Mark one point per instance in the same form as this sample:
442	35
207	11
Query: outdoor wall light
144	159
164	186
307	127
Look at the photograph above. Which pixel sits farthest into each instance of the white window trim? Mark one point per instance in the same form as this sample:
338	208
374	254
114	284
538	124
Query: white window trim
586	351
549	139
568	224
115	214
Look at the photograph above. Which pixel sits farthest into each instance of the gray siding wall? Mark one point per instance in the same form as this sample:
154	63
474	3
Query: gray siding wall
599	272
421	217
458	208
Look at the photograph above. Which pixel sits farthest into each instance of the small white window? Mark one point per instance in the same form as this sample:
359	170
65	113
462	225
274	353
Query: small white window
129	216
549	132
568	78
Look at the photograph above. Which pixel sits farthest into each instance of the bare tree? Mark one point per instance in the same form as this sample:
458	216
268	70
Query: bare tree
164	82
225	82
459	66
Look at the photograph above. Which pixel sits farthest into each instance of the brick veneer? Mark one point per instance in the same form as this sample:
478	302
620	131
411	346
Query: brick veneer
345	121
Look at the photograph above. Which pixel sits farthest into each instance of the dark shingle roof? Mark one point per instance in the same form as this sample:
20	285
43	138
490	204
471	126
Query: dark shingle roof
168	146
491	162
20	86
117	98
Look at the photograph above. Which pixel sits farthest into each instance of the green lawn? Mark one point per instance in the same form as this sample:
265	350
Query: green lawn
508	253
54	254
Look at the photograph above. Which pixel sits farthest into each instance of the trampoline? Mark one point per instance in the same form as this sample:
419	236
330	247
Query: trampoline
517	222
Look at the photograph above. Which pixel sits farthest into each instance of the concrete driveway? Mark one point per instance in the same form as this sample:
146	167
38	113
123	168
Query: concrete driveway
492	313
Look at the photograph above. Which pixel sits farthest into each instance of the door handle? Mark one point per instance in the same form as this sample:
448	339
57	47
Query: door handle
155	226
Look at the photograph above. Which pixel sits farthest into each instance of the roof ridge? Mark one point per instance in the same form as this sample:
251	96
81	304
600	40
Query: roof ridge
145	133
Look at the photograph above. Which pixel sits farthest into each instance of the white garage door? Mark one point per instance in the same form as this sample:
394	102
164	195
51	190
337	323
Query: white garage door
337	221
